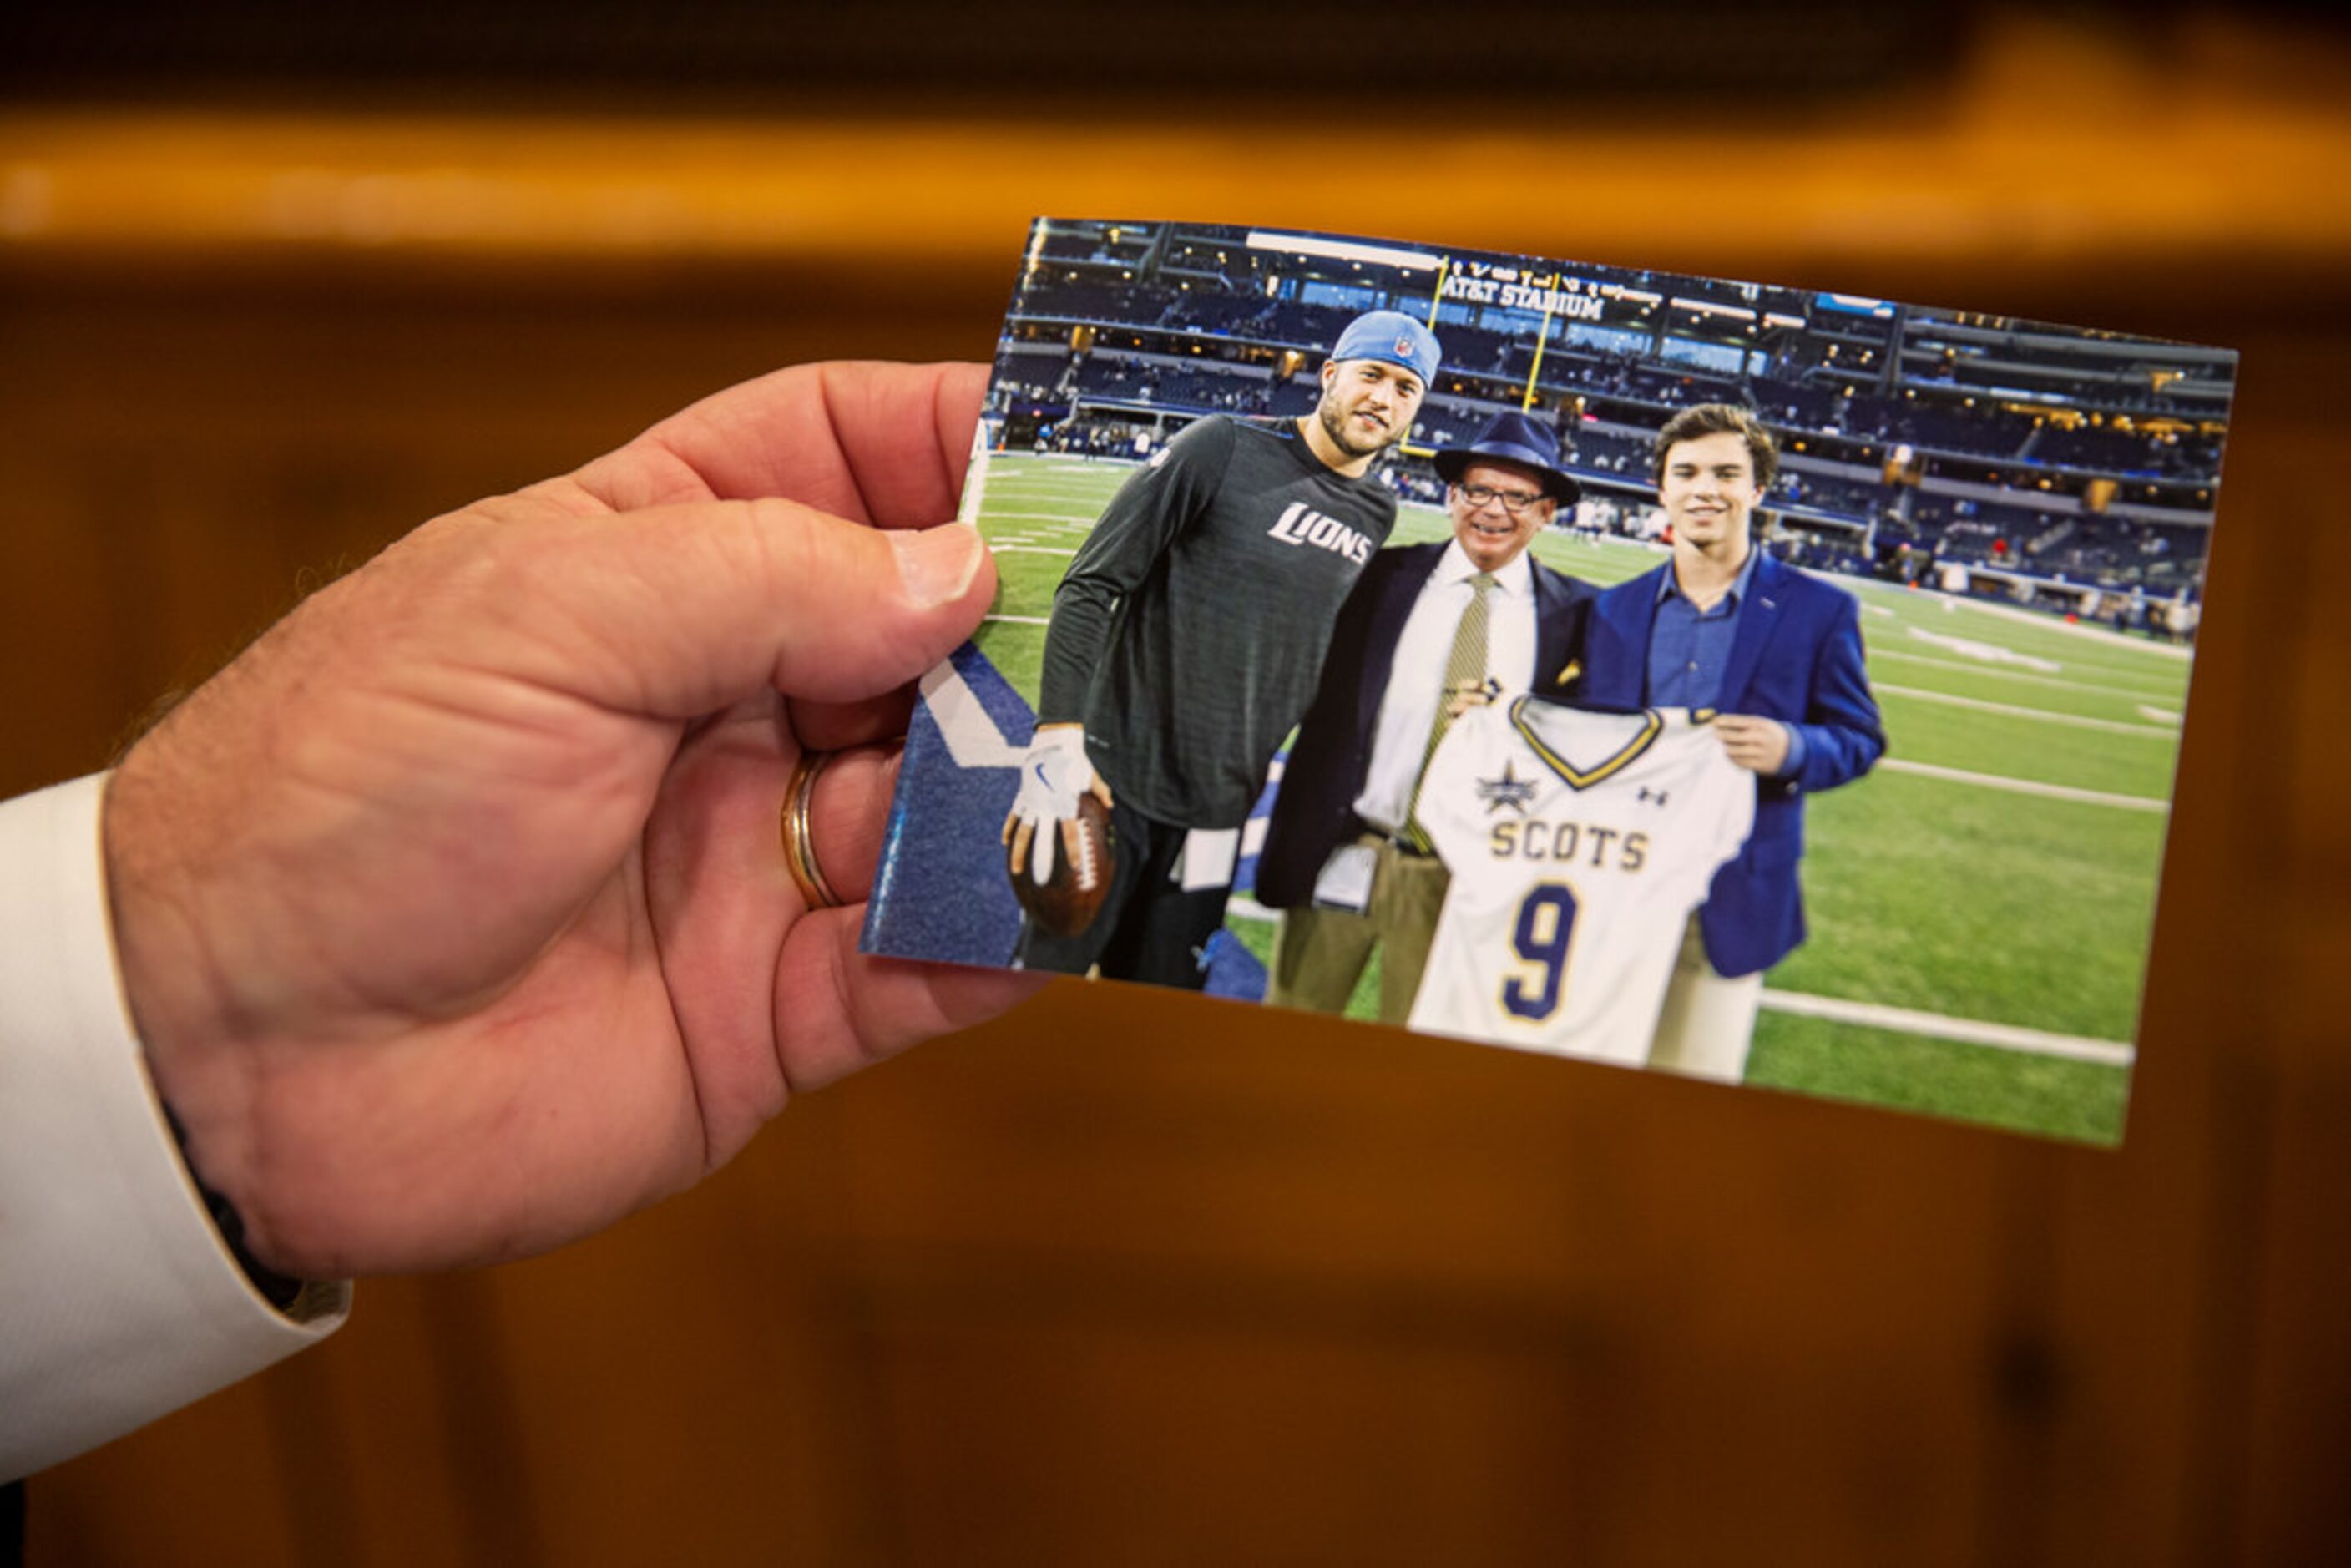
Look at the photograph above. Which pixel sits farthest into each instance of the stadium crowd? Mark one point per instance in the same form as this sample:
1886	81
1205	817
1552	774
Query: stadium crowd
1881	482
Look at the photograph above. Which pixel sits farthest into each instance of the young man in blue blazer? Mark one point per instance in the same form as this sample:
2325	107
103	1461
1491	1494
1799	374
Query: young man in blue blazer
1778	654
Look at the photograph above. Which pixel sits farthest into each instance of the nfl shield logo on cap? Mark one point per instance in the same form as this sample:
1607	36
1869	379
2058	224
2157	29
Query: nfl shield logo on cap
1393	337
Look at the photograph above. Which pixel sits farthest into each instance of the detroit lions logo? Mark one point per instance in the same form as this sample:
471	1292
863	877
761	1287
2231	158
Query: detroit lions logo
1301	524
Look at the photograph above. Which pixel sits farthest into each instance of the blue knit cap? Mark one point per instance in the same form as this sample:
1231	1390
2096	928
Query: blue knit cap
1393	337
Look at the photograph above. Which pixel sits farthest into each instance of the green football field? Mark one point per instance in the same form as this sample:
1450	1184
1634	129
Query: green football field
1980	905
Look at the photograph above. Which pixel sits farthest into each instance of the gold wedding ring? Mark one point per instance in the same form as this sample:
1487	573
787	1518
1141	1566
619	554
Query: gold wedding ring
800	843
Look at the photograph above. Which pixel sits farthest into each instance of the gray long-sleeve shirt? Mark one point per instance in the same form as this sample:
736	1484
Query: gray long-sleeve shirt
1188	633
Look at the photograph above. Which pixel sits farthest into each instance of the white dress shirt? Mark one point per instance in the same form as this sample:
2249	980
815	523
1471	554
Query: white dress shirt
1409	709
119	1301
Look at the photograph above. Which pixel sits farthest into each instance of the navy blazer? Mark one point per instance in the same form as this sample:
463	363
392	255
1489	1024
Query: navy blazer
1797	658
1315	811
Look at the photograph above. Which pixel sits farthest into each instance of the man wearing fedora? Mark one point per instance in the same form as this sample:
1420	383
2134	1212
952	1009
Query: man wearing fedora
1429	630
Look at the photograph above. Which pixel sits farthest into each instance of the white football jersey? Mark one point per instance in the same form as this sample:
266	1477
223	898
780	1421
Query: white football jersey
1578	842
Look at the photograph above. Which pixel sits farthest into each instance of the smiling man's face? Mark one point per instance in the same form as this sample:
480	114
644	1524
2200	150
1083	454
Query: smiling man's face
1708	487
1498	507
1367	404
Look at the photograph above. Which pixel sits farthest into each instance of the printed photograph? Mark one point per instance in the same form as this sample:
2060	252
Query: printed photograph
1750	682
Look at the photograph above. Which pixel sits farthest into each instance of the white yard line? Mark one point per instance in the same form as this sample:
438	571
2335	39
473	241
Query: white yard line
2111	726
2025	785
1992	653
2008	674
1033	550
2179	652
973	740
1876	1015
1022	619
1970	1031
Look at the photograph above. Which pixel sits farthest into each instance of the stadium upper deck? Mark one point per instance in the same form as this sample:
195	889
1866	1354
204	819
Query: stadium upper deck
2044	456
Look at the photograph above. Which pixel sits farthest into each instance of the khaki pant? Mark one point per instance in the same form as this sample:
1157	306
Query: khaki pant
1320	953
1708	1020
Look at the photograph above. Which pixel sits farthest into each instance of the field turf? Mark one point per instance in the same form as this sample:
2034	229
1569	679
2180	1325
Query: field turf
1997	898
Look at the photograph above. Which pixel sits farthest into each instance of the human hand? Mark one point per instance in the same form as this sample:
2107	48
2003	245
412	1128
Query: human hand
1757	744
1461	699
1044	816
452	914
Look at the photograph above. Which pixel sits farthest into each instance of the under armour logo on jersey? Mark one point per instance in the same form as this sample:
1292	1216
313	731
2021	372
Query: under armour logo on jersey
1657	796
1510	791
1301	524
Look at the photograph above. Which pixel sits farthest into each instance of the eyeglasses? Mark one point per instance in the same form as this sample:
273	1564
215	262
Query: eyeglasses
1514	502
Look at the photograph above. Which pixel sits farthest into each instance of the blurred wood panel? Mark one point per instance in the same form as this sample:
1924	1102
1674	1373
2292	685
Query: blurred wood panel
2190	141
1125	1282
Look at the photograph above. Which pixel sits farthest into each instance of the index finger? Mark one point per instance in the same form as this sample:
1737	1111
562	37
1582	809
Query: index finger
880	443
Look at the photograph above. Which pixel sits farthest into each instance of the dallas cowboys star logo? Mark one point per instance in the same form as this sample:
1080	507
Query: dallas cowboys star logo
1510	791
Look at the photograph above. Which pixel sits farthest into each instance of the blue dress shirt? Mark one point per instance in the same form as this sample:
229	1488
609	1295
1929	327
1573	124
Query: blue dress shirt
1689	647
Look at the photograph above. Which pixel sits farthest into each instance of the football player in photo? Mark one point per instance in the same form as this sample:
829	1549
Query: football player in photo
1186	638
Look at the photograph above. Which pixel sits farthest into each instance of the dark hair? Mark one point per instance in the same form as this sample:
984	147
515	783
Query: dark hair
1706	419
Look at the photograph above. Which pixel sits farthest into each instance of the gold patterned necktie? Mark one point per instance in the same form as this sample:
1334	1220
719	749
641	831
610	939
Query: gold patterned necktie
1465	667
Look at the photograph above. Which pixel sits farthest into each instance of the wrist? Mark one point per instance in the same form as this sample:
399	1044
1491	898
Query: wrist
164	966
280	1291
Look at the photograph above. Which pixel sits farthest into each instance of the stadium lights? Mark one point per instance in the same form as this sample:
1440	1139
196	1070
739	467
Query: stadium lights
1343	250
1709	307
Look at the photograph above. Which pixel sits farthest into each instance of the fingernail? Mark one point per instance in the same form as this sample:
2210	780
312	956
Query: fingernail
936	564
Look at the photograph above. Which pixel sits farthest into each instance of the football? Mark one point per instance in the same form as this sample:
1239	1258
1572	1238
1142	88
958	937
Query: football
1067	901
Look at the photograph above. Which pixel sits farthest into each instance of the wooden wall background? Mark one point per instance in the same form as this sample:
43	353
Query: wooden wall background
1118	1283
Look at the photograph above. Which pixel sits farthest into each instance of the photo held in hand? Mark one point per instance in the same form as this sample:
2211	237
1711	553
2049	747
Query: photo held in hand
1617	665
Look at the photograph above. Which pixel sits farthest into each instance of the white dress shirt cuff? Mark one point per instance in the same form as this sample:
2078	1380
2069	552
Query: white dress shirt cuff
119	1301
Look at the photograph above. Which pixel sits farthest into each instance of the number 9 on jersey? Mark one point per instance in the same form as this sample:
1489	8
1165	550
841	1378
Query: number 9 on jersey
1545	926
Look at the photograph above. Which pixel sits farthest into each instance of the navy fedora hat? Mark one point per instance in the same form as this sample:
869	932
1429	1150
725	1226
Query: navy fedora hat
1513	438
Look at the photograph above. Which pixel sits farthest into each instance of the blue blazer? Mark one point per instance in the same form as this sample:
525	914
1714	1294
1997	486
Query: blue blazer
1315	811
1797	658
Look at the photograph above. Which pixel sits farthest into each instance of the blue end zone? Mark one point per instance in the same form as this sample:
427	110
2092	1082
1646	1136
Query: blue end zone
1233	969
940	892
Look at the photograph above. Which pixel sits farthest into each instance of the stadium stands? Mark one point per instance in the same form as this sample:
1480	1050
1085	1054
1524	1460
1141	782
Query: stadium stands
1192	322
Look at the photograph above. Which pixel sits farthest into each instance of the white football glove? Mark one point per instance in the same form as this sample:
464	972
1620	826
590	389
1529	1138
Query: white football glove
1053	776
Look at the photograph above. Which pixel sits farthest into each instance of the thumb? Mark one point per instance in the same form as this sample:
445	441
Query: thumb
681	610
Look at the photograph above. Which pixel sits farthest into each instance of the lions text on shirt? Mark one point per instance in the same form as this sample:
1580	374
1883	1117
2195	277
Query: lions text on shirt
1578	842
